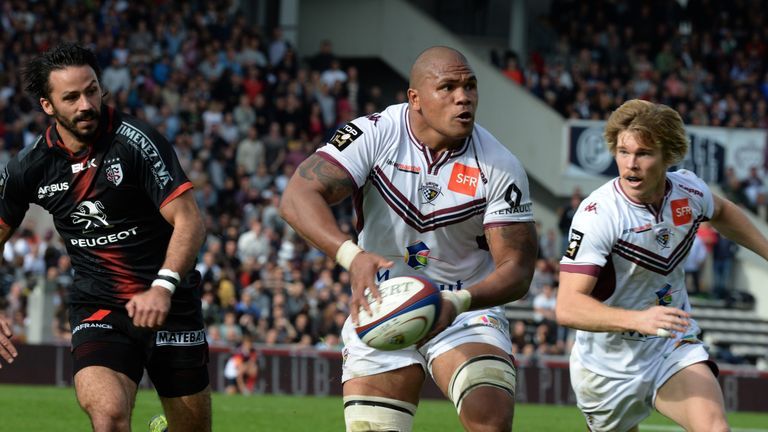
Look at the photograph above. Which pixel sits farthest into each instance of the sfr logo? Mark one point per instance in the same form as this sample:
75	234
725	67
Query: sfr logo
681	211
464	179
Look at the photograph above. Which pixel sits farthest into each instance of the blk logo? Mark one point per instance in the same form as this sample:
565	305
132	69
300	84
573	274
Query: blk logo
82	166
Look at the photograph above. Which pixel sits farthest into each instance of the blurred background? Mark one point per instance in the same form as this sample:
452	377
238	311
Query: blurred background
246	90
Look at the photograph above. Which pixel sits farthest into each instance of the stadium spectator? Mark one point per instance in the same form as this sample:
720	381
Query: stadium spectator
334	74
522	342
544	305
723	256
254	243
229	330
543	275
565	217
754	190
321	61
442	102
662	364
694	265
278	47
108	364
731	187
512	69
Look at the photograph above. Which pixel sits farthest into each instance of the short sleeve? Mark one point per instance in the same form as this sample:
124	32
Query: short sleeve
159	169
13	202
509	197
356	145
707	200
590	238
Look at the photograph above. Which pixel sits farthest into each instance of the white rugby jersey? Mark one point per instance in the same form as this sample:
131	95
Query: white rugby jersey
636	252
427	213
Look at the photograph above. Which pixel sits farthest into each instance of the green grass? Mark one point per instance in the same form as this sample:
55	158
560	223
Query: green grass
31	408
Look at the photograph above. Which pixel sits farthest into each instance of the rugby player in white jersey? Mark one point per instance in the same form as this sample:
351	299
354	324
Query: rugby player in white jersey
622	283
436	195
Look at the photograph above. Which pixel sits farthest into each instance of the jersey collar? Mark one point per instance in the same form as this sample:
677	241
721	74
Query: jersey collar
434	162
620	191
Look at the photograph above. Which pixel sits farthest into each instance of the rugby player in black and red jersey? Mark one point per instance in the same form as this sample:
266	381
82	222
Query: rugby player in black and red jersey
125	210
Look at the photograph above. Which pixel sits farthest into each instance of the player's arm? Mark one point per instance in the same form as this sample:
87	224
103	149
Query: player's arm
7	350
514	249
576	308
730	221
188	232
150	308
306	204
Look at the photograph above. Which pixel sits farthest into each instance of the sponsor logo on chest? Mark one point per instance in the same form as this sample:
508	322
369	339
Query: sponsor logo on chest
48	191
83	166
681	211
464	179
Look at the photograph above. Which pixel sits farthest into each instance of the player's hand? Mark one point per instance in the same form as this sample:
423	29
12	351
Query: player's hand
667	318
7	350
362	273
445	319
150	308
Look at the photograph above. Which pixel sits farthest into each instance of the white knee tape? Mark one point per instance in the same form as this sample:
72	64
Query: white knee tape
377	414
487	370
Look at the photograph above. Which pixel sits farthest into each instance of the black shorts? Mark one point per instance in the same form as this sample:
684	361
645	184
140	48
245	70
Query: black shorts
175	356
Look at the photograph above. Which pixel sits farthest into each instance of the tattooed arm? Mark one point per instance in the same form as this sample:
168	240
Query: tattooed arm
306	203
306	206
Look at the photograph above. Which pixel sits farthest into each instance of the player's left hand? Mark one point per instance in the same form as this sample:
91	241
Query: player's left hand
445	319
150	308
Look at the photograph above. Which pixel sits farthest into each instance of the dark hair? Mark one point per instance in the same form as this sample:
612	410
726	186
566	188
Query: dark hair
37	72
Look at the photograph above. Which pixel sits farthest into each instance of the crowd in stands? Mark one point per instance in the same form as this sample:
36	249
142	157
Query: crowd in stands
706	59
243	109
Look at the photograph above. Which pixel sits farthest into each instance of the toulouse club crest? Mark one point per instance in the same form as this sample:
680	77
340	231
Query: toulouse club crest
115	173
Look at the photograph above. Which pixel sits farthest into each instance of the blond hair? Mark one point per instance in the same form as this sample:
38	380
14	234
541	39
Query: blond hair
656	125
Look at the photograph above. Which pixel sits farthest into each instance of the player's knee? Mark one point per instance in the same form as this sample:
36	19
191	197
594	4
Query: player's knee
377	414
109	419
487	409
482	371
709	423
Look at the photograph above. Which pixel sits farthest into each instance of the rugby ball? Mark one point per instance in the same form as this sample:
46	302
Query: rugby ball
409	307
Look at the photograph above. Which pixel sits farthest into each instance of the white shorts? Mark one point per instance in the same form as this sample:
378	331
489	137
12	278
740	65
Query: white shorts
485	326
617	405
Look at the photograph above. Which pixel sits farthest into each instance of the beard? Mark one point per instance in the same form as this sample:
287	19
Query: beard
71	125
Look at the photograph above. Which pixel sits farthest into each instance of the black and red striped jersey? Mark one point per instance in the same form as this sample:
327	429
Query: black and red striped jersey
105	202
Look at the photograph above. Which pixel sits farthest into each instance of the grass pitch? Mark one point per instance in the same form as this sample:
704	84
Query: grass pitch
37	408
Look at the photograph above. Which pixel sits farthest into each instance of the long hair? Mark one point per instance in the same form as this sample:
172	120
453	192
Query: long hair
37	71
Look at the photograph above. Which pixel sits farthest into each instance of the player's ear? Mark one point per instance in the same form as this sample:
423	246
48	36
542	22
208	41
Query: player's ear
47	106
413	99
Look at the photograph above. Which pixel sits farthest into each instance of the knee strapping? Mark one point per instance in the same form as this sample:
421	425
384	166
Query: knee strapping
377	414
487	370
